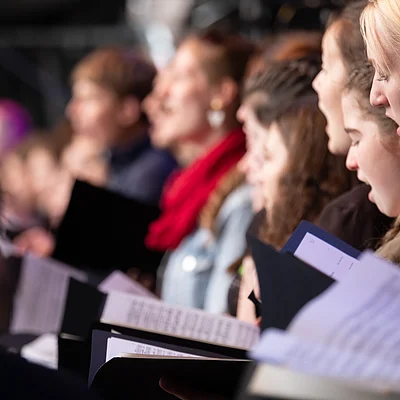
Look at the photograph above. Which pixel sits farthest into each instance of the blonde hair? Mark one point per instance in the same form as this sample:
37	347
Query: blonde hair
387	13
389	246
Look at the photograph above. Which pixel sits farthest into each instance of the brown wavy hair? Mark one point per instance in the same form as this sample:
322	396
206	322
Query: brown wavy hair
313	176
121	71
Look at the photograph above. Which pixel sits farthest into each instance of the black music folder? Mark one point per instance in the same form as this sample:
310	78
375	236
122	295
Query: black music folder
83	316
103	230
286	284
137	376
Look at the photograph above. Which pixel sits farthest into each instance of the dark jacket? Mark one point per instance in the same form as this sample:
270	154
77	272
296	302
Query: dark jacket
354	219
23	380
139	171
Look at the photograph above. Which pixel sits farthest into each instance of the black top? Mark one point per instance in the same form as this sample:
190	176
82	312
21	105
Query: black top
354	219
139	171
23	380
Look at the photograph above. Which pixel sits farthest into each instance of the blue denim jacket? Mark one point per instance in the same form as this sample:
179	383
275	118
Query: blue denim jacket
196	272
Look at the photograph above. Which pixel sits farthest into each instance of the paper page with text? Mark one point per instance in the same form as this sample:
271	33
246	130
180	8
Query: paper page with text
7	248
41	295
308	357
116	346
278	382
42	351
117	281
325	257
156	316
358	314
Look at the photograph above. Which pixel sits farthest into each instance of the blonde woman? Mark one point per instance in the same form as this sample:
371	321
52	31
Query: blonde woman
380	25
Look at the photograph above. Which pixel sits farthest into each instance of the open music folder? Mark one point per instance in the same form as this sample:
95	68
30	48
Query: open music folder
321	250
125	366
286	284
171	332
347	338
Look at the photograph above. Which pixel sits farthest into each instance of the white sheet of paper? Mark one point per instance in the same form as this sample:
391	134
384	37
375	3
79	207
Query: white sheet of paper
308	357
117	346
281	382
117	281
325	257
358	312
7	248
41	295
153	315
352	329
42	351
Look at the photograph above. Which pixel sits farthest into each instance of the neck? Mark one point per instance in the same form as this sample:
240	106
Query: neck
193	149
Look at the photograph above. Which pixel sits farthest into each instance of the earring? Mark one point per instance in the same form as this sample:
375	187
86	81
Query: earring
215	115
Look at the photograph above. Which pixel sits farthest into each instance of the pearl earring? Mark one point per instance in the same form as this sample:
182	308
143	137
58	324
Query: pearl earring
216	116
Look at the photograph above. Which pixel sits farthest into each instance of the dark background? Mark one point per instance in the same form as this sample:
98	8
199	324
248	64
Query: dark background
40	40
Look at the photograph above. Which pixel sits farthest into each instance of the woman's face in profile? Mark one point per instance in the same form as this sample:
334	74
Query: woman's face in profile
377	164
252	162
329	85
270	157
180	100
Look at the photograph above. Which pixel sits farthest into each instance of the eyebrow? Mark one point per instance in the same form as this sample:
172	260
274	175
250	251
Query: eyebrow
351	130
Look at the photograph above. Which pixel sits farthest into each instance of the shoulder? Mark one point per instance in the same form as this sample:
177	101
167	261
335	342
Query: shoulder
153	158
354	219
352	200
239	198
237	204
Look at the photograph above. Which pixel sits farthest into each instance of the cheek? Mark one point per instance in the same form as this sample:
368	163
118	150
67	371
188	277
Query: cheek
191	100
268	180
103	114
392	93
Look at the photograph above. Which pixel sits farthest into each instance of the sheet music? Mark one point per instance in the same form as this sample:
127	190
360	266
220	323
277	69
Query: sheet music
7	248
153	315
352	330
316	359
277	382
325	257
41	295
117	346
42	351
117	281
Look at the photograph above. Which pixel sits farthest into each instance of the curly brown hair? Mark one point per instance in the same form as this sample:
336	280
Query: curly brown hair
313	176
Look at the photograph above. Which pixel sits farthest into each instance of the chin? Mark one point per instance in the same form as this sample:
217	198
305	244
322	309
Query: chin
391	212
333	148
158	142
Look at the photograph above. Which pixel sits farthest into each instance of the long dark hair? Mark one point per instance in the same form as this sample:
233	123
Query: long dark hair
313	176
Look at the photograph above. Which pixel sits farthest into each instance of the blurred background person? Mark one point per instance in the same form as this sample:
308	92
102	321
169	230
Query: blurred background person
28	174
108	87
298	176
15	124
206	207
351	217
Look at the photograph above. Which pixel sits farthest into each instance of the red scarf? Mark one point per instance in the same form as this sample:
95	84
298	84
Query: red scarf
187	191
